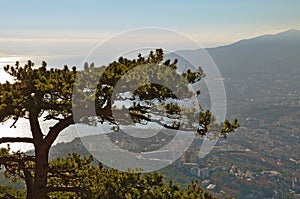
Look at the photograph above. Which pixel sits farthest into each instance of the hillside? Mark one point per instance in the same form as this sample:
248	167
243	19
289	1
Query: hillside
261	78
271	54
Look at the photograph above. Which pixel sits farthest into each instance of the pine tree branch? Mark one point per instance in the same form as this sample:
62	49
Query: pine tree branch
57	129
7	159
67	189
16	139
10	165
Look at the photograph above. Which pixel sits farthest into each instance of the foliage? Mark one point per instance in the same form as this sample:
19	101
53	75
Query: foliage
101	182
42	92
74	177
9	192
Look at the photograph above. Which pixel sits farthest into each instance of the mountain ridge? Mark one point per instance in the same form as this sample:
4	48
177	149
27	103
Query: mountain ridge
288	33
270	53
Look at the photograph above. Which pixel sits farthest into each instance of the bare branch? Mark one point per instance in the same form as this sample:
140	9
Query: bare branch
16	139
14	124
57	128
51	117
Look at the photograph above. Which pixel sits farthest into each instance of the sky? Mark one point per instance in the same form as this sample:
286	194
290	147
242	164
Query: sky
65	32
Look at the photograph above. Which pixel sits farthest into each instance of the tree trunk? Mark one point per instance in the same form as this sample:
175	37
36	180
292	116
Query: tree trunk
39	190
29	183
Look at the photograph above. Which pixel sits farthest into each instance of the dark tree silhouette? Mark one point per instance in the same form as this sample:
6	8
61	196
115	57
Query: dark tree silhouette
42	92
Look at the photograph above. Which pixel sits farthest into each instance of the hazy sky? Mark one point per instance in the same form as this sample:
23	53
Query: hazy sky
63	31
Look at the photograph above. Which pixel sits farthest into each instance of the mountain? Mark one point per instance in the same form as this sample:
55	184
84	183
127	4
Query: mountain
257	72
272	54
261	76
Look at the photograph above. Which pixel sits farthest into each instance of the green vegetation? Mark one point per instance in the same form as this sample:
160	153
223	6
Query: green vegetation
10	192
76	177
101	182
